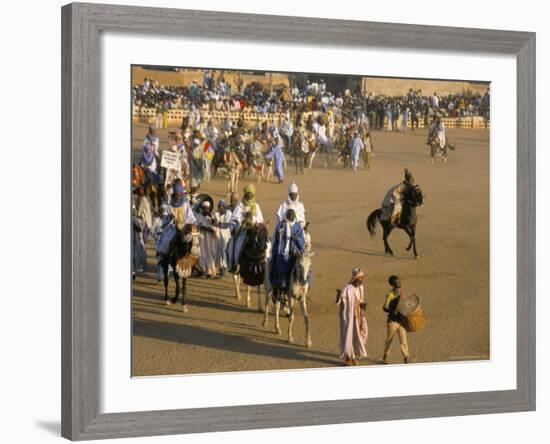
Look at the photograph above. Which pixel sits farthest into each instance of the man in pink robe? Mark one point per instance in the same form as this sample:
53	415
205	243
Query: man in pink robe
353	323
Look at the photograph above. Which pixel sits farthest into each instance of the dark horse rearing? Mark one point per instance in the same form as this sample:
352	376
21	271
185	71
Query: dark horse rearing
182	258
407	221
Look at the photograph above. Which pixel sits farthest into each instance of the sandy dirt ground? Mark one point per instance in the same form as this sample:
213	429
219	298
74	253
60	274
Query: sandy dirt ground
219	334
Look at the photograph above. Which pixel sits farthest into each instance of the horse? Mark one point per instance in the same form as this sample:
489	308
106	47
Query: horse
313	146
407	220
182	256
140	178
253	262
342	145
257	163
299	143
438	152
298	288
329	150
231	165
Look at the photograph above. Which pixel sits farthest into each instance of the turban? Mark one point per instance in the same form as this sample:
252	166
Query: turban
250	188
251	203
293	188
356	273
178	188
148	156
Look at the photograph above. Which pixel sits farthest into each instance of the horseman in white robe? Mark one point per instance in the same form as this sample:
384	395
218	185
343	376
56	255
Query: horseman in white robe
288	243
437	129
292	202
393	200
245	215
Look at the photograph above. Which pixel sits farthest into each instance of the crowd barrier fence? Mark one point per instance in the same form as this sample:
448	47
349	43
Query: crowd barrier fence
175	116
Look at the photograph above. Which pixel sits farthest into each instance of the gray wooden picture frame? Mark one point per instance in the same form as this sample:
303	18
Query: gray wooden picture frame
81	252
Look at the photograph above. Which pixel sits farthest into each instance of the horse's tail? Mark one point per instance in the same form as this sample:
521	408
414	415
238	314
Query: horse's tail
372	219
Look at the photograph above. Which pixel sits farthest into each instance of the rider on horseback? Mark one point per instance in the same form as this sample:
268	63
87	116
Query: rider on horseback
245	215
393	200
293	202
288	243
179	208
437	129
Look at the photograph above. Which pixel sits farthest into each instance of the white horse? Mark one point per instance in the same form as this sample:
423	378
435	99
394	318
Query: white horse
298	288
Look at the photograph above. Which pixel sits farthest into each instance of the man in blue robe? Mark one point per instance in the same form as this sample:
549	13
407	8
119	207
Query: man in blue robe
288	243
276	153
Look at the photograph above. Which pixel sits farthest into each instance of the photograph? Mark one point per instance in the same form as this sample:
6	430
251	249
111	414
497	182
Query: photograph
285	220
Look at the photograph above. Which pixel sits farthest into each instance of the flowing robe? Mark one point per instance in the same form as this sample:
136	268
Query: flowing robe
356	147
238	231
439	132
208	244
393	200
144	211
224	235
196	166
139	258
295	205
276	153
353	323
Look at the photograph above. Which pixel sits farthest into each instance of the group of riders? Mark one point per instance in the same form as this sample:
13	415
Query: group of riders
167	199
207	148
197	237
233	149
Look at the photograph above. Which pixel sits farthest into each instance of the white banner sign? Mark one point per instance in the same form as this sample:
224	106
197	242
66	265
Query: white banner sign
170	160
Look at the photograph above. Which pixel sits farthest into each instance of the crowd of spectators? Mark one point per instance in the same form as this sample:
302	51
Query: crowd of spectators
221	95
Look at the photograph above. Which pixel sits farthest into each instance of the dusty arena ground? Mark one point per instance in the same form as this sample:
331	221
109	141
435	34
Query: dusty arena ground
219	334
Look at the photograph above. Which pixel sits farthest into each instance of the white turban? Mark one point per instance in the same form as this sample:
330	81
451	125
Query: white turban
293	188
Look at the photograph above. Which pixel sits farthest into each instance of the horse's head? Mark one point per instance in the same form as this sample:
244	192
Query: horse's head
414	196
257	240
187	238
307	237
302	267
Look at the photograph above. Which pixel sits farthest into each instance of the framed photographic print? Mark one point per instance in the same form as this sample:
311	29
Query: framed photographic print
280	221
